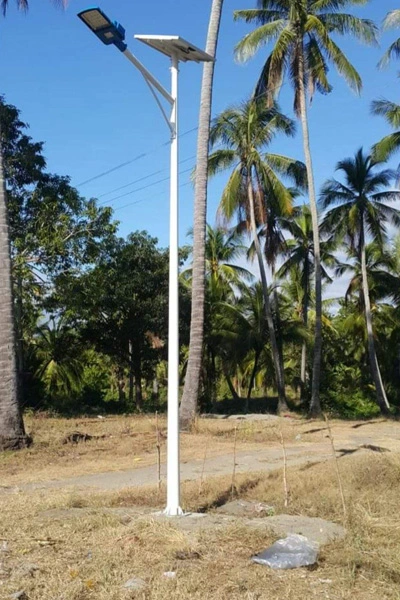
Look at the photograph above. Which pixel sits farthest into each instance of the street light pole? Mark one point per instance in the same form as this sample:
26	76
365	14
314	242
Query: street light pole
173	464
179	50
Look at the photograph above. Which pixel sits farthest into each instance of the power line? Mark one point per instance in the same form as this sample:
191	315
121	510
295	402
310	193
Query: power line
135	159
150	174
143	187
144	155
143	178
128	162
147	197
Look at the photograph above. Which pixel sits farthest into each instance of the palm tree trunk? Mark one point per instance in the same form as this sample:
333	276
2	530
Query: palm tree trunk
381	397
231	387
138	385
251	384
282	404
189	401
278	319
19	331
303	370
12	431
131	374
315	406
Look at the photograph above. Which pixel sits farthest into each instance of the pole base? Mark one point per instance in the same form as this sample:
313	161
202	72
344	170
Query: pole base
174	511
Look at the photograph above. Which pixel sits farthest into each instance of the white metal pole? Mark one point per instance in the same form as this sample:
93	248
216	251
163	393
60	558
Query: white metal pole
173	467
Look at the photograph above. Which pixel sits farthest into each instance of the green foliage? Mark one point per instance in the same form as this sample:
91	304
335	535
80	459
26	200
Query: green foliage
54	231
91	308
302	33
344	398
121	305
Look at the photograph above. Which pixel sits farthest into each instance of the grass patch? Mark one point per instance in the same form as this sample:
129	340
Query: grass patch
91	556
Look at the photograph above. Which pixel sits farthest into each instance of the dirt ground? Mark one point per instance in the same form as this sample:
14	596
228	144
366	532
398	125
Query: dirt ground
67	536
122	450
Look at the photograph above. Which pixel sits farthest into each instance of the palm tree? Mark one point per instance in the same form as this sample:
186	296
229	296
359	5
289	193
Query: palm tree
24	4
274	245
360	212
391	20
382	280
390	111
245	329
300	251
61	368
396	252
222	248
12	431
303	47
222	277
245	132
189	401
390	144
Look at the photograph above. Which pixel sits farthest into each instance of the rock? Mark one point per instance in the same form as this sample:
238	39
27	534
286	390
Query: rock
21	595
254	417
249	417
244	508
135	584
169	574
290	553
315	529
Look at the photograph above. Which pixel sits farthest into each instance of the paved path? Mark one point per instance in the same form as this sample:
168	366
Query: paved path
253	461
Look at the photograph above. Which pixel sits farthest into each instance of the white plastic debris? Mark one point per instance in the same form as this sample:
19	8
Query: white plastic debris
170	574
289	553
135	584
4	547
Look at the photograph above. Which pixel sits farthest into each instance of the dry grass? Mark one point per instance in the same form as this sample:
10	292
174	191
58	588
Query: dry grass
91	556
88	554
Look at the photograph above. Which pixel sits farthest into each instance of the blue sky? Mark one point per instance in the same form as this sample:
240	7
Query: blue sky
94	112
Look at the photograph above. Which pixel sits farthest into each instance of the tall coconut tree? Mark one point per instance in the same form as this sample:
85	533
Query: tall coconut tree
300	256
361	214
245	132
189	401
390	111
12	431
301	31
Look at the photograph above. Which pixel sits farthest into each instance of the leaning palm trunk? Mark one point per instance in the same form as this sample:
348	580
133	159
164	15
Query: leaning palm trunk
191	388
12	432
315	406
278	319
303	369
381	397
251	384
280	383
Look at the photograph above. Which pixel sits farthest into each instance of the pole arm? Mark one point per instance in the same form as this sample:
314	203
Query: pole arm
153	84
148	76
